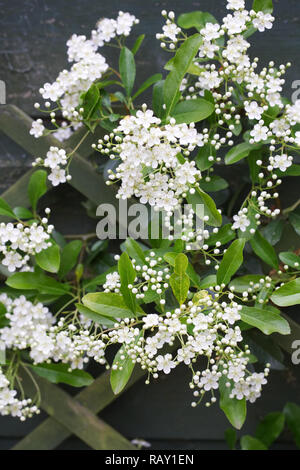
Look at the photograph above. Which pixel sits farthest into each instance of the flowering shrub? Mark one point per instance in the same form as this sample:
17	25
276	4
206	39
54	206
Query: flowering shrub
168	302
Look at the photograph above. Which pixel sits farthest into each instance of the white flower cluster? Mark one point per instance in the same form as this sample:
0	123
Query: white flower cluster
11	405
55	159
150	168
88	66
19	241
204	327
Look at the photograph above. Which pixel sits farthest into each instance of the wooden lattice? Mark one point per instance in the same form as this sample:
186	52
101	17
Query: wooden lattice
75	415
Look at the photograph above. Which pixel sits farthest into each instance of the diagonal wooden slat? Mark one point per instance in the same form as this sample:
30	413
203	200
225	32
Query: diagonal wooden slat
74	417
50	434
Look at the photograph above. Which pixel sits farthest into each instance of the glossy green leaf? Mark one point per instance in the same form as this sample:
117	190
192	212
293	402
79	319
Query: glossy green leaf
49	259
5	209
158	98
119	377
264	250
127	69
179	280
59	373
194	277
109	305
273	231
292	415
224	235
288	294
138	44
265	320
23	213
127	277
95	317
239	152
134	250
69	257
195	19
234	409
231	438
295	221
231	261
37	281
251	443
215	184
270	428
263	5
182	60
291	259
201	200
37	187
242	283
192	111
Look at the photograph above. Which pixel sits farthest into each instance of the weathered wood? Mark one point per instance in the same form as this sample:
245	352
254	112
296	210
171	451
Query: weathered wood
51	433
72	417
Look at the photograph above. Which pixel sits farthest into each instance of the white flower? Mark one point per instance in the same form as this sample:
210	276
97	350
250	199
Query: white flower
37	128
151	320
259	133
55	157
211	31
282	162
165	363
297	138
210	380
57	176
263	21
231	314
171	31
241	222
253	110
235	4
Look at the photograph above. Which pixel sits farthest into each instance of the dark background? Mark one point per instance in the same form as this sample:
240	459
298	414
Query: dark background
33	34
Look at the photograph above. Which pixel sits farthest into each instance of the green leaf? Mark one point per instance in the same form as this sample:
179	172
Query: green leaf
295	221
264	250
224	235
194	277
215	184
120	377
23	213
192	111
95	317
127	276
179	280
138	43
109	305
265	320
135	251
292	415
69	257
243	283
200	198
182	60
270	428
127	69
250	443
49	259
148	83
263	5
195	19
158	98
288	294
59	373
231	261
273	231
202	157
90	102
37	281
208	281
234	409
239	152
37	187
5	209
231	438
289	258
